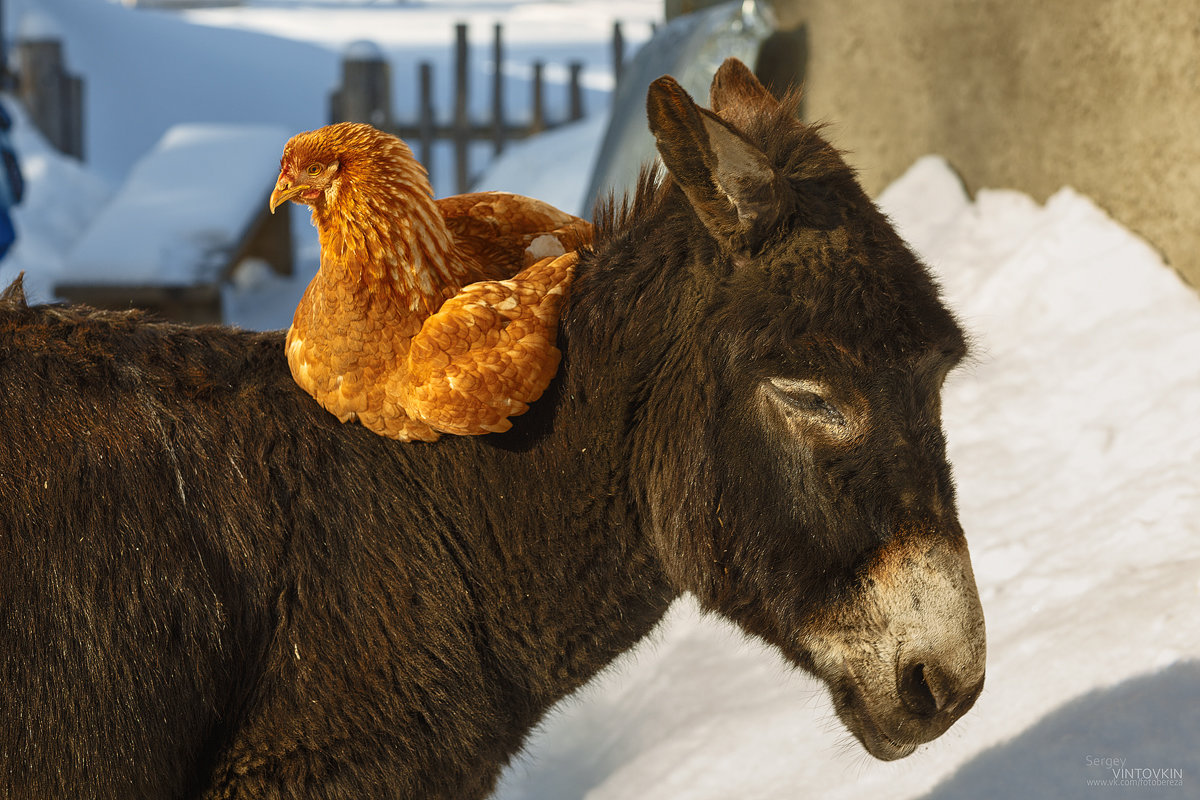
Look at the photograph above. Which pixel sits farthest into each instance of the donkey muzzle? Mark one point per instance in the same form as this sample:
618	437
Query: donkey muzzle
905	656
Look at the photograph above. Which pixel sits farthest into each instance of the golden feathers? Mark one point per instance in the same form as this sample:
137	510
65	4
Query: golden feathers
425	316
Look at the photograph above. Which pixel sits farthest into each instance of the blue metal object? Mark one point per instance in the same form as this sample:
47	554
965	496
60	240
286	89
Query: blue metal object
690	48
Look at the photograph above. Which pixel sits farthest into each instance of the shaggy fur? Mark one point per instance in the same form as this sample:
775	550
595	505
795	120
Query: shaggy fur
213	589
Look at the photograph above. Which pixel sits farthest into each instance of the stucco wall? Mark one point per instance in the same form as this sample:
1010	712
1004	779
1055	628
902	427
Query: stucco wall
1103	95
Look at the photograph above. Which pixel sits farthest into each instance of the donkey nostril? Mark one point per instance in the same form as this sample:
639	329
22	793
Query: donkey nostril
916	690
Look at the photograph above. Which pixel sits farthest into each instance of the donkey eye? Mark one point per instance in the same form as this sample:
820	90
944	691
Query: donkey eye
801	396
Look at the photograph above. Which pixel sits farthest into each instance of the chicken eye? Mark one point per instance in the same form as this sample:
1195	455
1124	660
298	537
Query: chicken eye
314	169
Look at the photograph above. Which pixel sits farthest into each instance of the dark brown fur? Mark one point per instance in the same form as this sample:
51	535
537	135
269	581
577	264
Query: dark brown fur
211	588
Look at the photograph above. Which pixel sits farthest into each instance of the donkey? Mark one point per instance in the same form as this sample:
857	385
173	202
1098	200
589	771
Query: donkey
212	589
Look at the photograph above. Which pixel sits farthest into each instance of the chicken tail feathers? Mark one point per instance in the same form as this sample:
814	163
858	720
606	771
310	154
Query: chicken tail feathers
488	352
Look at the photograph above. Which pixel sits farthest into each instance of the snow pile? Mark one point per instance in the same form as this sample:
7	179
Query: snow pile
1076	441
184	208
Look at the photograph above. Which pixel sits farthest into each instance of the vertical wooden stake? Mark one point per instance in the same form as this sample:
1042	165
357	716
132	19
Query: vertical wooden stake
53	97
462	122
73	115
366	91
6	83
498	91
576	92
618	53
538	123
425	118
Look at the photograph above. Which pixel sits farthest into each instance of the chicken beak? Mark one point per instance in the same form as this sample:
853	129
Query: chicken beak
284	191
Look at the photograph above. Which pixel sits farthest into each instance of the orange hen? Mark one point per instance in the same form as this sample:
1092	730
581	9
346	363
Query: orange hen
425	316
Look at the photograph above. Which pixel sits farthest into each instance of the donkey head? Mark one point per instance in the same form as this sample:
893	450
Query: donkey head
813	504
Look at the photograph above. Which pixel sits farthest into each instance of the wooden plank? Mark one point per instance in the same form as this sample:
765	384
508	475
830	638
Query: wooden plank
199	304
475	132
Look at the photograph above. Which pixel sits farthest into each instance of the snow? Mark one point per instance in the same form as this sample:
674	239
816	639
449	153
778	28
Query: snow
1075	439
190	201
1074	430
553	167
362	50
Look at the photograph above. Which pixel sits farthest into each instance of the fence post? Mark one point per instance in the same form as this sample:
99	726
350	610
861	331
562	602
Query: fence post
435	126
537	123
462	119
73	131
425	118
618	53
498	91
576	92
53	97
5	83
366	91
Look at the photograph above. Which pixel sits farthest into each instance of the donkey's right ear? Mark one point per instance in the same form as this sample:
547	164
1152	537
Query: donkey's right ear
735	88
728	181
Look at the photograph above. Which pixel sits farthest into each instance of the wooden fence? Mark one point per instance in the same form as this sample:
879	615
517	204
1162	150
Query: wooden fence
52	96
365	95
54	99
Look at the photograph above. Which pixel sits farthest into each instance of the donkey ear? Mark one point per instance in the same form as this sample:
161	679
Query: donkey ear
728	181
735	87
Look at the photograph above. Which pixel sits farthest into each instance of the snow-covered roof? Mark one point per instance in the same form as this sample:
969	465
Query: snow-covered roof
183	210
363	50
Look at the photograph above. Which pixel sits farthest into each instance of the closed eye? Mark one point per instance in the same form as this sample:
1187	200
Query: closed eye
807	398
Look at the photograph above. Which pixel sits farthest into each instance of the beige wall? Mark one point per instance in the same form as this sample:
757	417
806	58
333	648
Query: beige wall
1103	95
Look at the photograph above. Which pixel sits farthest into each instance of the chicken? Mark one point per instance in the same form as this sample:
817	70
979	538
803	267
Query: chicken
426	316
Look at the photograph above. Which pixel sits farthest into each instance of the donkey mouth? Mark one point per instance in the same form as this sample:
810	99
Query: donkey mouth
853	713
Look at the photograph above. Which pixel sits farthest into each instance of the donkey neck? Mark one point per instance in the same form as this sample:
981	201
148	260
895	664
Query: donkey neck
581	584
566	526
582	570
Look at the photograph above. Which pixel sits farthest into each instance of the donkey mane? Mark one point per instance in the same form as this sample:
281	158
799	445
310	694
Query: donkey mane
615	212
